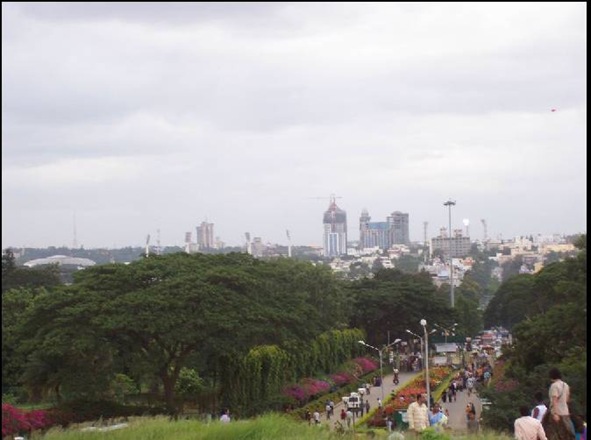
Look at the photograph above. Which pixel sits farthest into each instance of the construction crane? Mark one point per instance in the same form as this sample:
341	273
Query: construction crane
332	198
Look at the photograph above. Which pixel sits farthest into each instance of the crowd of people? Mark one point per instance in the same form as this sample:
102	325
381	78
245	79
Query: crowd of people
553	421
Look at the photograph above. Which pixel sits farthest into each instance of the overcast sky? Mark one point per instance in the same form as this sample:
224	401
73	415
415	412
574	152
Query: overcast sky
121	119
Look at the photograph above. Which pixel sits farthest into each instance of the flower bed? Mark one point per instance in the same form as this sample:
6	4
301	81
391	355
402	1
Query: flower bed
310	388
16	421
400	399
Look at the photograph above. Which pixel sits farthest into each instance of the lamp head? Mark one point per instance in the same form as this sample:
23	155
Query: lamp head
423	322
397	340
361	342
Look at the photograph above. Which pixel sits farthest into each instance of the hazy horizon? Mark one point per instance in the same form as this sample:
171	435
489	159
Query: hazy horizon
122	119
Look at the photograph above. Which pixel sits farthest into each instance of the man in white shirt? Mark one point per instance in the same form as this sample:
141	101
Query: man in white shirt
418	417
528	428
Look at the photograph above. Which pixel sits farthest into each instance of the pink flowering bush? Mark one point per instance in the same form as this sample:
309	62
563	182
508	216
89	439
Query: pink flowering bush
309	387
295	392
15	421
343	378
315	387
367	365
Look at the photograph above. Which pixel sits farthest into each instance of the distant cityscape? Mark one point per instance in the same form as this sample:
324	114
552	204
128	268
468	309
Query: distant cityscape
381	244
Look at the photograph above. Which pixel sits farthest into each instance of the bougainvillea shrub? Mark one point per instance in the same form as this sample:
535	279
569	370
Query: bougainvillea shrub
309	388
16	421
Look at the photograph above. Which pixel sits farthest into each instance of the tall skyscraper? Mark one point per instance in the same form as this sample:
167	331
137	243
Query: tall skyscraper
205	238
335	230
399	230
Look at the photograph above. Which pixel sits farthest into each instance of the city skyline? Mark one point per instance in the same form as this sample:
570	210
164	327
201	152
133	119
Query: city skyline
127	119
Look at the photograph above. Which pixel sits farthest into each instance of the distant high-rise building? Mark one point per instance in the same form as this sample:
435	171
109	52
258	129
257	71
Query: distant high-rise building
373	234
383	235
335	230
460	245
399	230
205	238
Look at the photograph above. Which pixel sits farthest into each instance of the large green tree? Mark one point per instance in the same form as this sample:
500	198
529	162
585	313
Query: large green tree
178	310
394	301
548	315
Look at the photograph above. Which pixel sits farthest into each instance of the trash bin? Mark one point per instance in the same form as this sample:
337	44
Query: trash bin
401	420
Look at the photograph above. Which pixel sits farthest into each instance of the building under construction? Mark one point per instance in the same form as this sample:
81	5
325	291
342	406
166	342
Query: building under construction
335	230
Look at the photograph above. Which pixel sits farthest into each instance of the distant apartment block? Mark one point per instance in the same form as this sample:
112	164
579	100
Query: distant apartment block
460	245
383	235
205	238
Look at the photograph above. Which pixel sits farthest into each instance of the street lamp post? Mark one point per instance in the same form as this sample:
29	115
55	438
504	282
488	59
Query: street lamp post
417	336
449	204
381	365
423	322
396	341
446	330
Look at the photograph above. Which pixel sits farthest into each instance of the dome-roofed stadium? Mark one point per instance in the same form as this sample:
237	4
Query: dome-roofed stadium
61	260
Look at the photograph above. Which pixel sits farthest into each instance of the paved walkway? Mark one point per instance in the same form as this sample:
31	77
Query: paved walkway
457	409
375	393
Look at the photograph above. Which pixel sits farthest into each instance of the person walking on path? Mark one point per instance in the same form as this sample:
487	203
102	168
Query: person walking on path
438	419
557	423
417	412
317	417
528	427
349	418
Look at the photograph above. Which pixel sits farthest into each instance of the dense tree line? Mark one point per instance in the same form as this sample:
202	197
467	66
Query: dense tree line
236	329
547	314
228	317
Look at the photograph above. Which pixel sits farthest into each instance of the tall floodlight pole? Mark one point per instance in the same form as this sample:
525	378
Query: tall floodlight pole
381	365
449	204
423	322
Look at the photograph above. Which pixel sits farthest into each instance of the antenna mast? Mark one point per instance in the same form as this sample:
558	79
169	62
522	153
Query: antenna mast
75	241
425	245
158	249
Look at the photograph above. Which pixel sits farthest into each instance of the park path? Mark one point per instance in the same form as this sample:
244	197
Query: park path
375	393
457	409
